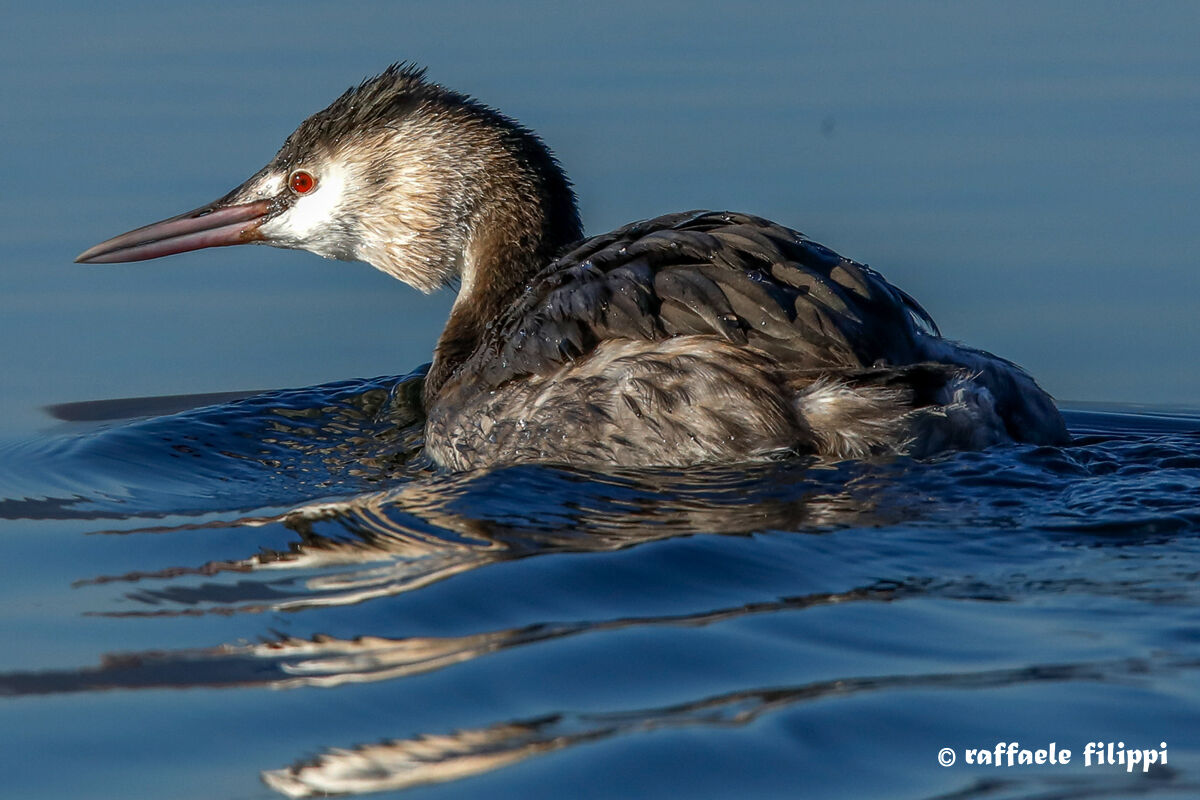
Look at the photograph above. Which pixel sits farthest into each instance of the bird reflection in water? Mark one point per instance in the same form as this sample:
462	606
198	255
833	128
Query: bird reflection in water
405	763
432	527
401	540
429	529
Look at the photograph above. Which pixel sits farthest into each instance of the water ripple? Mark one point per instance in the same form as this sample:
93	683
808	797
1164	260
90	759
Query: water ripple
299	541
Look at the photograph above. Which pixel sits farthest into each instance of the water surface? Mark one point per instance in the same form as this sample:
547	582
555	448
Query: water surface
264	591
714	631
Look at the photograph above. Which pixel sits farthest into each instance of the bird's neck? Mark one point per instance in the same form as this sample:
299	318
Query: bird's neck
524	224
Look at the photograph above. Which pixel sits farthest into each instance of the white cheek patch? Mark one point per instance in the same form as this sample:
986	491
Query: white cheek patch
308	223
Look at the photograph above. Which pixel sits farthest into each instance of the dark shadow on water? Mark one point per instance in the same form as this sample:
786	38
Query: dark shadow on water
128	408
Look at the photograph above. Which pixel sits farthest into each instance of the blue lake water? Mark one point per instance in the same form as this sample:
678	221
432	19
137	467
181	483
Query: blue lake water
262	592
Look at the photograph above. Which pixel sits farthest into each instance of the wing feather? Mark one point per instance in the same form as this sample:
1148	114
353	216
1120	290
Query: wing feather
739	277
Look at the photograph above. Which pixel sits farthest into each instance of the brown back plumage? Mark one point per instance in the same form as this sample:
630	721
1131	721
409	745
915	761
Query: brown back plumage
742	278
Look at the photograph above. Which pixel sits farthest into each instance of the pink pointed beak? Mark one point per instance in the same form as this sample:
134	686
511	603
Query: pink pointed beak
213	225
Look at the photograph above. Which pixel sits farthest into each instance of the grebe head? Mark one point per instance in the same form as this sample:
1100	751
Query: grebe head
421	182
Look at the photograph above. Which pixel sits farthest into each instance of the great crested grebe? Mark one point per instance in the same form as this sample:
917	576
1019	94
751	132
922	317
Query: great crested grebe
689	338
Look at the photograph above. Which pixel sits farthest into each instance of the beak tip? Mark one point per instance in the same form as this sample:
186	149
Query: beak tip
89	256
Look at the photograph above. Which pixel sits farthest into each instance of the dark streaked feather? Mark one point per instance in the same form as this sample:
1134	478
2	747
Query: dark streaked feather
739	277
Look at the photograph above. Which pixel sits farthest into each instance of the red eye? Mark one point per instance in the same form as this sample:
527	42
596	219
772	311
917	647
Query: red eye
302	182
